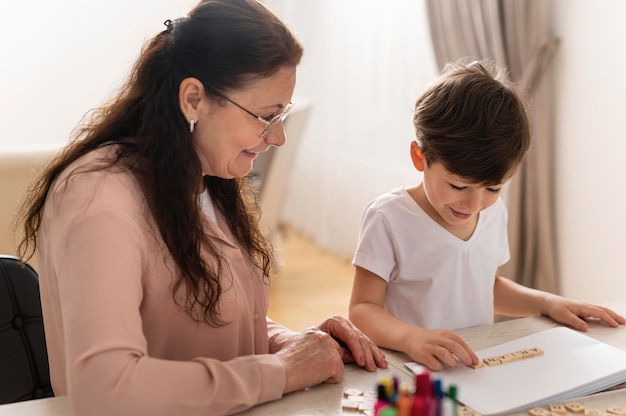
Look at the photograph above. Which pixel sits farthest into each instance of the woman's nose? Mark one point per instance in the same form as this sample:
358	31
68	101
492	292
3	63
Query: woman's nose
276	135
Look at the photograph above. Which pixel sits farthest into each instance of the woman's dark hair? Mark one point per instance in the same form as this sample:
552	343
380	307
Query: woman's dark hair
225	44
474	121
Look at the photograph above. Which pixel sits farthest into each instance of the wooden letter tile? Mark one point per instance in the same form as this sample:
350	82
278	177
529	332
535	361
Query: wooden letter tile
506	358
575	407
513	356
464	411
492	361
558	409
538	411
525	353
510	357
535	351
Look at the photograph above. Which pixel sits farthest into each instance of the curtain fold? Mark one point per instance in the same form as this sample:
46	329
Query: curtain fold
515	34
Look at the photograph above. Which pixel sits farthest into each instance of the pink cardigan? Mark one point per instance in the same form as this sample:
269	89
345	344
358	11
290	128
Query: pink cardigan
117	342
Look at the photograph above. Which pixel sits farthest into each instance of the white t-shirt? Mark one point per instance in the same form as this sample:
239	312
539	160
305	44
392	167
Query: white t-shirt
435	279
207	205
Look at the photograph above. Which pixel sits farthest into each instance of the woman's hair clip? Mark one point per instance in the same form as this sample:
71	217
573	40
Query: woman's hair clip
169	25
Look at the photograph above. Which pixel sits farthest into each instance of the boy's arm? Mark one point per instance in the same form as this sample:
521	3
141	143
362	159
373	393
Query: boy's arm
513	299
429	347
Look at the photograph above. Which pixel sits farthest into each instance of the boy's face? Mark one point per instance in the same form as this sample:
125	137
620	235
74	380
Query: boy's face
456	200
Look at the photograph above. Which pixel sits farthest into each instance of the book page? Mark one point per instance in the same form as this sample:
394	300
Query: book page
572	365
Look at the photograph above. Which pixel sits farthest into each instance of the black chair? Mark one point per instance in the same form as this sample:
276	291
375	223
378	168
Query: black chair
24	371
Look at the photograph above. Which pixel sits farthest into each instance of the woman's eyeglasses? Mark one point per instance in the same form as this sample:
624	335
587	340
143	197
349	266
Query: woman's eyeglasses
271	122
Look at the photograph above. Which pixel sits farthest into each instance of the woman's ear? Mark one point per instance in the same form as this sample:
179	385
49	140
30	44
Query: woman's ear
417	157
190	94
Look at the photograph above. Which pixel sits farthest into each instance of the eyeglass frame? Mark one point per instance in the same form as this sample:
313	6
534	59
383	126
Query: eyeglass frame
269	124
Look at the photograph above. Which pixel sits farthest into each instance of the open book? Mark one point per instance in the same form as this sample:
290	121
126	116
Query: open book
572	365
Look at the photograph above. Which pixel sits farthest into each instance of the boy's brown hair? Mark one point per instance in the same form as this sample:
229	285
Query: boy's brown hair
474	121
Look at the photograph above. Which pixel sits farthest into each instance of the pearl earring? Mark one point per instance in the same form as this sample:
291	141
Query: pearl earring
192	125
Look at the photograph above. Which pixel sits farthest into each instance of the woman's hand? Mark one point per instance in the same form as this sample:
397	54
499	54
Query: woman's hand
438	348
317	354
311	357
355	347
574	313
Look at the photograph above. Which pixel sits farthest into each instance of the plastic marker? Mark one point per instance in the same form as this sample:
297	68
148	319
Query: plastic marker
424	389
452	395
405	401
419	406
439	395
382	400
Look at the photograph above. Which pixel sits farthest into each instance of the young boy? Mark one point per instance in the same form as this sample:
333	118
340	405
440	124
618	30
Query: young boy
428	256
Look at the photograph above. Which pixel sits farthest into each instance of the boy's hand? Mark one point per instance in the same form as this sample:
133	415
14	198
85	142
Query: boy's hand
438	348
574	313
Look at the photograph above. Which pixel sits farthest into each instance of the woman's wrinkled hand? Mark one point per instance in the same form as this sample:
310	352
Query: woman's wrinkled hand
317	354
311	357
355	346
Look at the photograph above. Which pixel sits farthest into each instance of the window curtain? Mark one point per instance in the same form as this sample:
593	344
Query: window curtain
515	34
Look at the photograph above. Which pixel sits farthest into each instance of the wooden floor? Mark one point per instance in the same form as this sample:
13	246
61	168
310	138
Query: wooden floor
311	284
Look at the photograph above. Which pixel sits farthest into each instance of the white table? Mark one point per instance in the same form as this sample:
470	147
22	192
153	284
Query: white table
326	398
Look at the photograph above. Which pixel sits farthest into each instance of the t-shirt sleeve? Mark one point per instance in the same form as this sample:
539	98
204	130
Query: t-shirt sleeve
375	247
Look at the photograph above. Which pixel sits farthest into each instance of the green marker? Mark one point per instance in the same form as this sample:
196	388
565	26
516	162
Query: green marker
452	393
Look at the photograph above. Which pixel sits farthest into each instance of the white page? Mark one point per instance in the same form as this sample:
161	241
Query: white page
573	364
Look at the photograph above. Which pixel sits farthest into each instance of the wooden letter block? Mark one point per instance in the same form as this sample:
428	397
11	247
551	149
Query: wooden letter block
575	407
513	356
347	404
352	392
525	353
593	412
506	358
558	409
510	357
475	366
492	361
464	411
619	411
535	351
538	411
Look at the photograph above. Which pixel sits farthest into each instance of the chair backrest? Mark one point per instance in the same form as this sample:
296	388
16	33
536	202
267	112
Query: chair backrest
24	371
19	165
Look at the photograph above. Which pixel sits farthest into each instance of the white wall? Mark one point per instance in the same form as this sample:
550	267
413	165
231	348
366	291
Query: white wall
61	58
590	99
590	133
363	68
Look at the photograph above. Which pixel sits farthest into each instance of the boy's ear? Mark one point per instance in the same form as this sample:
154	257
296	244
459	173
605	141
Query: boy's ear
190	93
417	157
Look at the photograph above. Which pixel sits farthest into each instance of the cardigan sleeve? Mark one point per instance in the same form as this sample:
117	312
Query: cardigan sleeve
93	256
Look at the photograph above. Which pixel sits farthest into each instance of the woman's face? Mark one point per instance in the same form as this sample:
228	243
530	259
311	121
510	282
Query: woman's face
227	139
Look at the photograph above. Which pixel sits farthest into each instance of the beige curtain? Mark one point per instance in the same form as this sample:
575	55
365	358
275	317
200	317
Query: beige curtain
515	34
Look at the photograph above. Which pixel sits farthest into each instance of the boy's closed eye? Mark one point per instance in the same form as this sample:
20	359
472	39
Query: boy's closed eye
458	188
490	189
